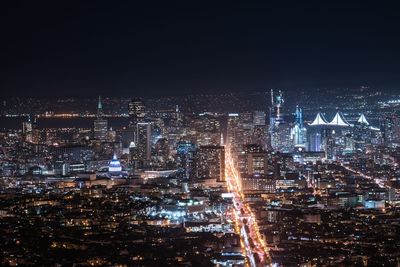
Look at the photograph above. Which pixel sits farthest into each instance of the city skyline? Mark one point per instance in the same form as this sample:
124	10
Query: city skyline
133	181
176	133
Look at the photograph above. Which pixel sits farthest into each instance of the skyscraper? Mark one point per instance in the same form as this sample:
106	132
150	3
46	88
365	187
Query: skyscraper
253	161
27	130
259	134
276	116
211	162
330	144
390	127
143	143
315	143
232	132
299	131
279	130
207	128
244	131
100	125
136	111
185	160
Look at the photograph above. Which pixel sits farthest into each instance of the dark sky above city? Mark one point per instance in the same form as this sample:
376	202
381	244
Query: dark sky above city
131	48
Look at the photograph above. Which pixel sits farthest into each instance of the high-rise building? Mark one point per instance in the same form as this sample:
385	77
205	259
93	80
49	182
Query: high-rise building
279	130
100	124
207	128
36	133
244	132
100	129
330	144
259	135
136	111
276	116
143	143
27	130
390	127
185	160
315	141
253	166
253	161
211	162
232	127
299	136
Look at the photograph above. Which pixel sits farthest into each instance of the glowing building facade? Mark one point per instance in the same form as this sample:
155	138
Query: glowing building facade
115	165
279	130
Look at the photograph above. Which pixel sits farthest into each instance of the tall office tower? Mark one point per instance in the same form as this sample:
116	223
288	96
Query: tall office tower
210	162
100	124
390	127
276	116
207	129
244	132
330	144
279	130
36	133
253	165
27	130
185	160
231	139
299	131
143	143
281	138
178	116
387	125
315	141
136	111
253	161
259	135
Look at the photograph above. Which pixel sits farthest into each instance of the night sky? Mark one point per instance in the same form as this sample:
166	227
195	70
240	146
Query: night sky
173	48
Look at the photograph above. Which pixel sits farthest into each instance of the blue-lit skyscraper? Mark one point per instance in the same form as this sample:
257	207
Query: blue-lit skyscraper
299	131
185	160
315	144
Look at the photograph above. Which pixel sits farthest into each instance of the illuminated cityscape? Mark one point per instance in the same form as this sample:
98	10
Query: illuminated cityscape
204	187
200	134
